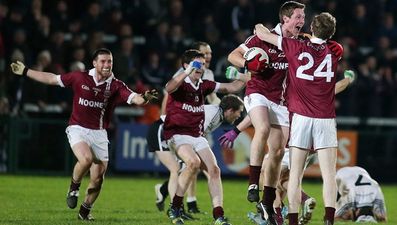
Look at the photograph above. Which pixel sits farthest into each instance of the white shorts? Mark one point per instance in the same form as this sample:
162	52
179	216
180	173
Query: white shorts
198	143
312	133
96	139
278	114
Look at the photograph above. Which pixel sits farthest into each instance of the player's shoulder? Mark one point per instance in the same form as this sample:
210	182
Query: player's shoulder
254	41
117	83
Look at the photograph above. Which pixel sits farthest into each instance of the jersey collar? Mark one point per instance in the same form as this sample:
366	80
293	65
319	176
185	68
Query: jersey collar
92	72
316	40
278	29
196	87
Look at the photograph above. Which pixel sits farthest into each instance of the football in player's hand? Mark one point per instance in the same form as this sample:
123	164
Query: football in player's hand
257	59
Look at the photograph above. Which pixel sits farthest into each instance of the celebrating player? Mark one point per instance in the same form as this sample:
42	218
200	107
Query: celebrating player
311	102
96	93
265	105
360	197
183	130
228	110
308	204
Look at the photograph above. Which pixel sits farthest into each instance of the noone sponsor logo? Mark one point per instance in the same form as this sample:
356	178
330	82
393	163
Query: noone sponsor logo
279	65
89	103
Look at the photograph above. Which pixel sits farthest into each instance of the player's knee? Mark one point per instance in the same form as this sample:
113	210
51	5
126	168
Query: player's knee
214	171
174	170
85	160
279	154
193	164
263	131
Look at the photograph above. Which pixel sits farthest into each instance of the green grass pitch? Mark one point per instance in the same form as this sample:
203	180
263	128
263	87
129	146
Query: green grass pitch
37	200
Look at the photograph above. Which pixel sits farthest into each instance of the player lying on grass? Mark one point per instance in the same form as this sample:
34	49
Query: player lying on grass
360	197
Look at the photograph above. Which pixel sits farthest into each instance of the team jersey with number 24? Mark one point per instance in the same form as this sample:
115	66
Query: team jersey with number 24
311	77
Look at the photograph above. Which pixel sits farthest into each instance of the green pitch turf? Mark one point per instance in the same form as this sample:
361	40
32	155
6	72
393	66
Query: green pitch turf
37	200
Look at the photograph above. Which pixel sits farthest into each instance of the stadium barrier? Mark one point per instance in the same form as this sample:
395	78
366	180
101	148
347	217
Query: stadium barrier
41	146
132	154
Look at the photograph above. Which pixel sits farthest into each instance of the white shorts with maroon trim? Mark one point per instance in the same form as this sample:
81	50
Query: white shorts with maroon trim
96	139
312	133
278	114
198	143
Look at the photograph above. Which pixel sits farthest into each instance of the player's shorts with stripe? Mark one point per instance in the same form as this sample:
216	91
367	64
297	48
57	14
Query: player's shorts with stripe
154	137
278	114
96	139
198	143
316	133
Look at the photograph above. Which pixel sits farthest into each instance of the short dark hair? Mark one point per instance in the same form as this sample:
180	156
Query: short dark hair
101	51
198	44
231	101
287	9
191	54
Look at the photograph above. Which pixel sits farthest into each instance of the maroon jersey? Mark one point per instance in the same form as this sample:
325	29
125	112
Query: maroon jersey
185	108
311	77
94	103
269	83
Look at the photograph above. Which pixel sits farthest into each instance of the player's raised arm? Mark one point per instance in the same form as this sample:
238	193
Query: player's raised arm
344	83
177	80
20	69
265	35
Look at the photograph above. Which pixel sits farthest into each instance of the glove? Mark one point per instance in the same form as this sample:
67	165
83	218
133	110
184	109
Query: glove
350	75
232	73
193	65
19	68
227	139
149	95
255	65
335	48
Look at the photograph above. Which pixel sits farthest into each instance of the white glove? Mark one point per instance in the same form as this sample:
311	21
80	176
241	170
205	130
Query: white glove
19	68
350	75
193	65
232	73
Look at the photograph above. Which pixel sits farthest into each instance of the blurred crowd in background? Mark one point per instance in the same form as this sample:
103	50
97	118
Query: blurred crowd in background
148	36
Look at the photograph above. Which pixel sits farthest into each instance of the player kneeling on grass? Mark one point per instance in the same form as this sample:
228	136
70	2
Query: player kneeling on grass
360	197
96	93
